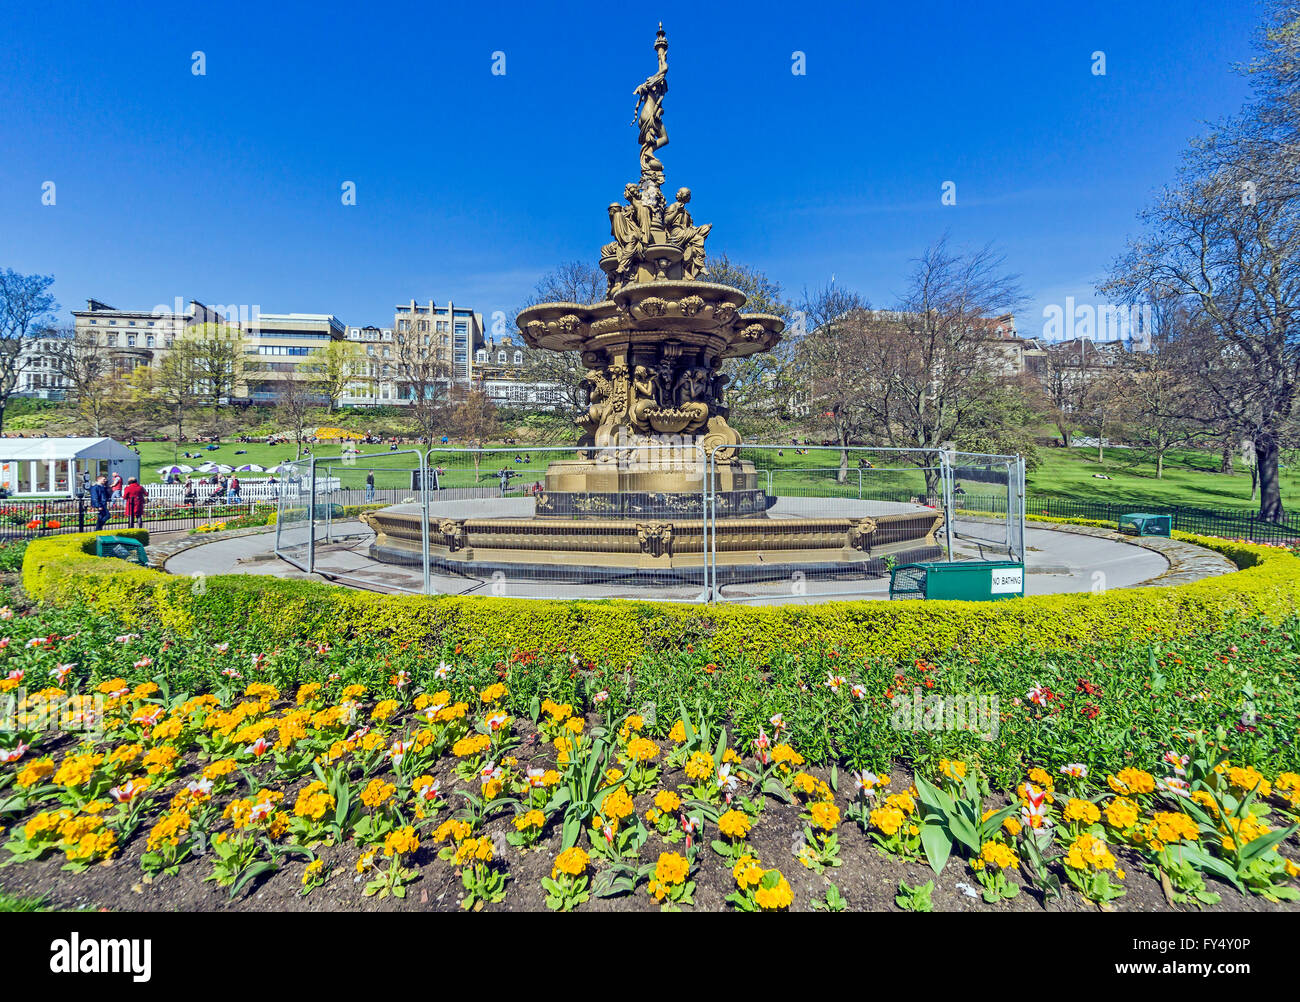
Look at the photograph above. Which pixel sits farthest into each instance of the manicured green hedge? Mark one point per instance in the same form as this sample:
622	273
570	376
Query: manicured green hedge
58	570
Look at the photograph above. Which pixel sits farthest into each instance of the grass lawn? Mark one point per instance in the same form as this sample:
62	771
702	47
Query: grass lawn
1191	478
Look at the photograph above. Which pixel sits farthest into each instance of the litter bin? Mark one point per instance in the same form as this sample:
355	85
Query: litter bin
968	580
1145	524
122	547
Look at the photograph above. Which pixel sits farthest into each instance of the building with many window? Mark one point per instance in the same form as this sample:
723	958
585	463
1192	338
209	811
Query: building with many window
285	346
506	371
376	382
39	372
452	334
133	338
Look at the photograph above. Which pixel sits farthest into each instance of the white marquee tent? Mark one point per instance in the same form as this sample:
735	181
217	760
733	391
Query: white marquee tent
57	467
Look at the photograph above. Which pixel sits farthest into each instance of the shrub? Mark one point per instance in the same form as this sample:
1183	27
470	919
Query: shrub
618	633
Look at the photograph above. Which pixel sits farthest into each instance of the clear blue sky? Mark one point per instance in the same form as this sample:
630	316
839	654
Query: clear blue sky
226	187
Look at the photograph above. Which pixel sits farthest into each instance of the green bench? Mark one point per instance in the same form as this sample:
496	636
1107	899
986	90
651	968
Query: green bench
968	580
1145	524
122	547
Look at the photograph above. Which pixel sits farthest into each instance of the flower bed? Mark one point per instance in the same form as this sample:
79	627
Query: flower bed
367	770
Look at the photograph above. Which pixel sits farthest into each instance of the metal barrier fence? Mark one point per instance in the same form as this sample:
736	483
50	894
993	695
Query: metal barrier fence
1001	478
828	531
642	518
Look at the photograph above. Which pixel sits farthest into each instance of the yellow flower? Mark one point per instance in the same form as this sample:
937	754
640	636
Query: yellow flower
377	793
313	801
734	824
76	769
887	819
678	733
997	855
493	692
453	828
825	816
952	768
169	830
775	898
384	709
699	767
34	772
1081	810
1089	852
641	749
1122	813
573	862
1130	781
1246	779
312	871
401	842
618	805
474	850
667	801
671	869
1173	826
532	819
748	872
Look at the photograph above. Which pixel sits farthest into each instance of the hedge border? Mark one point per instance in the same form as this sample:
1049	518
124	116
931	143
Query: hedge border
61	570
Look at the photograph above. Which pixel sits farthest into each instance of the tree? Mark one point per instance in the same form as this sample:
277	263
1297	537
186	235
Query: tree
1157	394
929	373
830	360
759	387
215	352
423	378
173	382
474	418
295	398
26	311
343	364
571	282
79	358
1225	236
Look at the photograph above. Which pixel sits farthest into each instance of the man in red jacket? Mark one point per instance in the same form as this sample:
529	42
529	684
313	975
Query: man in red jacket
134	496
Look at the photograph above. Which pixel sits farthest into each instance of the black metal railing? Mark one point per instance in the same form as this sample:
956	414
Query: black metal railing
1202	521
27	519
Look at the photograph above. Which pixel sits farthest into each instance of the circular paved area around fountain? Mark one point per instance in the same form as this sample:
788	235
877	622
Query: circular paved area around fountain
1059	559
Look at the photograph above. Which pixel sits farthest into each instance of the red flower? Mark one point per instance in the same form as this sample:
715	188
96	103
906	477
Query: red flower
1090	711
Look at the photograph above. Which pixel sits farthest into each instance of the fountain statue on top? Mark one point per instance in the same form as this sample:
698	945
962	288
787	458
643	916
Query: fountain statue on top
653	349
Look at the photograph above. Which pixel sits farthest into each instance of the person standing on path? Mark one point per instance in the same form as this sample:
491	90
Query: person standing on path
99	501
370	486
134	495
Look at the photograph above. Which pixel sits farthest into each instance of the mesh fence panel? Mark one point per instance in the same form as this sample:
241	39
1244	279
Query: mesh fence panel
832	522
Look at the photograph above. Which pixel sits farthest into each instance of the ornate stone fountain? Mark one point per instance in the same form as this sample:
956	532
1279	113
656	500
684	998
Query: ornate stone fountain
656	396
654	426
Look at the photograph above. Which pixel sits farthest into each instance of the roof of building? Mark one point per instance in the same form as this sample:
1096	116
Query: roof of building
48	449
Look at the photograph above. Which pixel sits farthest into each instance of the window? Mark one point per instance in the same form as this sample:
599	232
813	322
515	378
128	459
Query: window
130	340
480	356
149	341
501	358
112	340
519	358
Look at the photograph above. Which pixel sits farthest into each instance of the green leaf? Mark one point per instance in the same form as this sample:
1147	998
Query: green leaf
965	832
937	843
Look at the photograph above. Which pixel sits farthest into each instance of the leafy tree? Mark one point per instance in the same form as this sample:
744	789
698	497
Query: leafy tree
26	312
